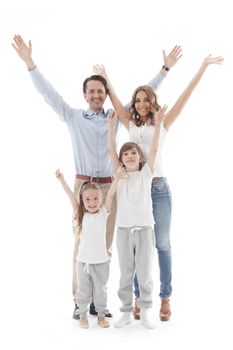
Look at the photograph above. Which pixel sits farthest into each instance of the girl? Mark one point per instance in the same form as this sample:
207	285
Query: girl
139	122
134	218
89	221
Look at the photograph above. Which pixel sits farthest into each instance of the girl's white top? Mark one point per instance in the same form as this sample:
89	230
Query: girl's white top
92	249
134	204
142	136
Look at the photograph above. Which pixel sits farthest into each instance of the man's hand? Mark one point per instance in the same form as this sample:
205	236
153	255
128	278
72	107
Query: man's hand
24	51
173	57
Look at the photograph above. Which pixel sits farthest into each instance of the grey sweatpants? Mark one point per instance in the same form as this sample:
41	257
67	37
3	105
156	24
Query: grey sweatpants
135	246
92	285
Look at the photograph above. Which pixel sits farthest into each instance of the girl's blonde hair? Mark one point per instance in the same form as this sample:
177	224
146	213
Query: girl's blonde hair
152	97
79	214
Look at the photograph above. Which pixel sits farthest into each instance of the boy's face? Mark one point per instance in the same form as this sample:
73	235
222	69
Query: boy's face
131	159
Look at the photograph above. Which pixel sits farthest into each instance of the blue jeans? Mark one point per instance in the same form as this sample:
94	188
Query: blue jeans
162	205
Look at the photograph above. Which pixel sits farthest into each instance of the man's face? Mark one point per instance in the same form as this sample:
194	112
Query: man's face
95	95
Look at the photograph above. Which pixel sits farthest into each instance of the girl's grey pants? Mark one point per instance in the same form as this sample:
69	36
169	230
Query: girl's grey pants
92	285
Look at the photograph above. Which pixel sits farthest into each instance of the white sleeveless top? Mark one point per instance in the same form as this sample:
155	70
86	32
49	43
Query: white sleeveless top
92	249
134	203
142	135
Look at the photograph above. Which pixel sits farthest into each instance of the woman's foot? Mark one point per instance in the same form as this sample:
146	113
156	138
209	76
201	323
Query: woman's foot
165	310
146	320
83	322
136	311
125	319
102	322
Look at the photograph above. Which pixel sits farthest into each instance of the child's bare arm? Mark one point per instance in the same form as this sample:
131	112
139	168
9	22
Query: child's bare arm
120	174
159	116
112	141
67	189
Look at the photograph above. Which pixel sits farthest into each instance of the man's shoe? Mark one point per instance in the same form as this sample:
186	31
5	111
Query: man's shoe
136	311
165	310
93	312
76	315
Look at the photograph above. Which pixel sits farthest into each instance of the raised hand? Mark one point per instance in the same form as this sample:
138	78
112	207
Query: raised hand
21	48
59	175
213	60
100	70
112	118
24	51
173	57
121	173
160	114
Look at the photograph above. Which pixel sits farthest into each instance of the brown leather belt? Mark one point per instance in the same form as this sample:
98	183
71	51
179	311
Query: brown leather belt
102	180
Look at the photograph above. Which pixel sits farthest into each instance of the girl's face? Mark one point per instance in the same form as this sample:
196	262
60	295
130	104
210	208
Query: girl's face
142	103
92	200
131	159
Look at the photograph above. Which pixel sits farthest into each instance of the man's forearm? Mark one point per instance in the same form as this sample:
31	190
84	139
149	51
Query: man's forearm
30	64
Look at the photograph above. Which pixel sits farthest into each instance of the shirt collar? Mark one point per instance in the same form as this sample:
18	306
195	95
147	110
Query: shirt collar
89	114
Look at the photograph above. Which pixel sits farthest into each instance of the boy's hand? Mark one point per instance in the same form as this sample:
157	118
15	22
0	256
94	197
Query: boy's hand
112	118
121	173
160	115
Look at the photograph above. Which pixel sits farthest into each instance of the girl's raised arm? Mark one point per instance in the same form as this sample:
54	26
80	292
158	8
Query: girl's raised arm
67	190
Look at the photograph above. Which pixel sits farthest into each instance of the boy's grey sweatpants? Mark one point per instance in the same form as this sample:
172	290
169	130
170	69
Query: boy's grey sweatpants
92	285
135	247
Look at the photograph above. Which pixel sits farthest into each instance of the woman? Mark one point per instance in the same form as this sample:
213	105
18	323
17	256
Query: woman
138	119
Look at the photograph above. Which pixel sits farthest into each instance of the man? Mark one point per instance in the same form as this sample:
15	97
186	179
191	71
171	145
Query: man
89	133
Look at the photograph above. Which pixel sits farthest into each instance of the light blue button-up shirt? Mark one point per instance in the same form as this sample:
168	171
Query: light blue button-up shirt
88	130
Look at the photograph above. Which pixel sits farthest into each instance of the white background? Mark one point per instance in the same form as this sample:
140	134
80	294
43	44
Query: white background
36	240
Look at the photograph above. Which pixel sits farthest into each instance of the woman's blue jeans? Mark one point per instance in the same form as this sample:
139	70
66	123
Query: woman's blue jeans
162	206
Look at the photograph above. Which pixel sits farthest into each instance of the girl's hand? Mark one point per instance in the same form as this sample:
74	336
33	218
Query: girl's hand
160	115
59	175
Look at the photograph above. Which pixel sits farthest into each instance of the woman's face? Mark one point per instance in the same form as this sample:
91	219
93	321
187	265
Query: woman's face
142	104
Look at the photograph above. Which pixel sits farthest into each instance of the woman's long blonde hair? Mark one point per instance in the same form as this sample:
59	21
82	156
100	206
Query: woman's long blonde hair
134	116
